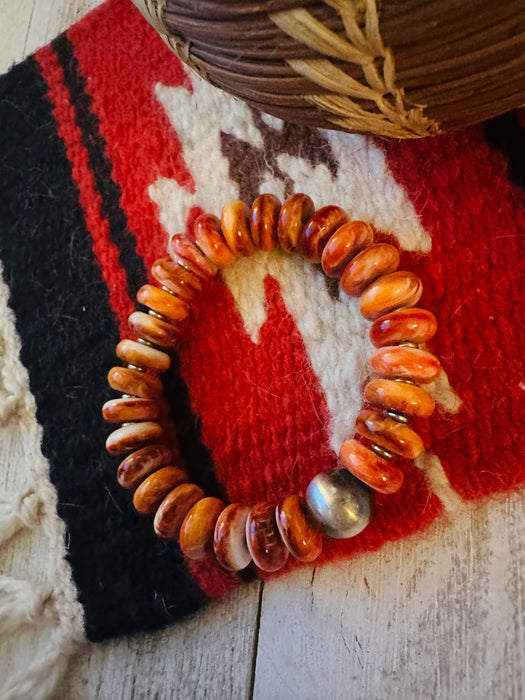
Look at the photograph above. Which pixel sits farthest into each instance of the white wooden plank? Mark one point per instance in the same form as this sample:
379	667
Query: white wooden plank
441	616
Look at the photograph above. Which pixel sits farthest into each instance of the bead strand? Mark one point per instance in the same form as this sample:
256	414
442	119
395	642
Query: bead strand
337	502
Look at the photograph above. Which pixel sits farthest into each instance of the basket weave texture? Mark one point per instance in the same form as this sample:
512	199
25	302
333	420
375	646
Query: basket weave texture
400	68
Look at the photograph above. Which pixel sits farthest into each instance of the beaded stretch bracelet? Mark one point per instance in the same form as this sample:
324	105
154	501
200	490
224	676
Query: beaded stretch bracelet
337	502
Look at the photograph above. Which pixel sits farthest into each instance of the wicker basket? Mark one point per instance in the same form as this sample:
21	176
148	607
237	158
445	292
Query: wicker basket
402	68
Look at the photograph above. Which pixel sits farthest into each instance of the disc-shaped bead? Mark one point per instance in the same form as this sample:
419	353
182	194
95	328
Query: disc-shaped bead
142	355
229	539
153	329
302	540
340	505
177	279
390	292
317	231
140	464
263	538
180	247
174	508
368	265
346	242
296	211
405	398
196	533
413	325
126	410
235	225
264	220
405	363
380	474
396	437
170	306
132	436
156	487
209	239
131	381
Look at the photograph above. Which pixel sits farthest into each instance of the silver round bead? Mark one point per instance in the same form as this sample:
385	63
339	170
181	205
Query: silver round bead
340	504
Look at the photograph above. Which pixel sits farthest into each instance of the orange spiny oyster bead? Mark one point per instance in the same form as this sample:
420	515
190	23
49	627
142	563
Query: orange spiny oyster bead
405	363
235	225
177	279
414	325
368	265
296	211
229	539
317	231
346	242
302	540
390	292
142	355
375	471
174	508
140	464
181	247
131	381
164	303
153	329
132	436
126	410
405	398
264	221
264	539
396	437
198	527
209	239
156	487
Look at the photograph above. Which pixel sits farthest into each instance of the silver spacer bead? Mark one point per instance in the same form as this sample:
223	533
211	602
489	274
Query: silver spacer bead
165	289
185	265
127	396
155	314
402	380
149	344
139	369
398	417
381	451
407	344
340	504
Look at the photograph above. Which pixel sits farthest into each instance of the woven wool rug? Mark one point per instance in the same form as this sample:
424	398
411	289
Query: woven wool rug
108	146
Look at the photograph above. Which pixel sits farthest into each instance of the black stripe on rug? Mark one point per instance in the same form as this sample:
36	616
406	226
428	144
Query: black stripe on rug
127	579
101	166
507	134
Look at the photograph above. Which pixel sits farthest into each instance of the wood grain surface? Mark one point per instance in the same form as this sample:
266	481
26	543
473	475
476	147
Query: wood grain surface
440	616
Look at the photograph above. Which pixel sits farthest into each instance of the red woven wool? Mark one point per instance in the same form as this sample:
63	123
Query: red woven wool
474	283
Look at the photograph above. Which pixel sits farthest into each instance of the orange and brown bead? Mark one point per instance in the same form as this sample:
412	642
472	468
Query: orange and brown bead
264	221
131	381
132	436
397	361
143	355
318	230
367	266
388	433
343	245
405	398
198	528
174	508
156	487
390	292
235	226
296	211
209	239
380	474
413	325
302	540
140	464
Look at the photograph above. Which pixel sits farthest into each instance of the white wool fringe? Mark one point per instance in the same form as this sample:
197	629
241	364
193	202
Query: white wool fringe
21	603
18	511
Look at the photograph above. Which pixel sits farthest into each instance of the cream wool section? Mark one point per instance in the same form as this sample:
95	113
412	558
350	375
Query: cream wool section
41	622
336	338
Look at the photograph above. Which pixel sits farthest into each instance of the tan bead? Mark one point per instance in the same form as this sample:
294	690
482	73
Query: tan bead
197	530
316	233
156	487
414	325
264	539
142	355
405	363
389	292
301	539
405	398
264	221
209	238
229	539
131	381
181	247
396	437
346	242
140	464
235	225
173	510
296	211
364	464
127	410
153	329
132	436
368	265
181	282
170	306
